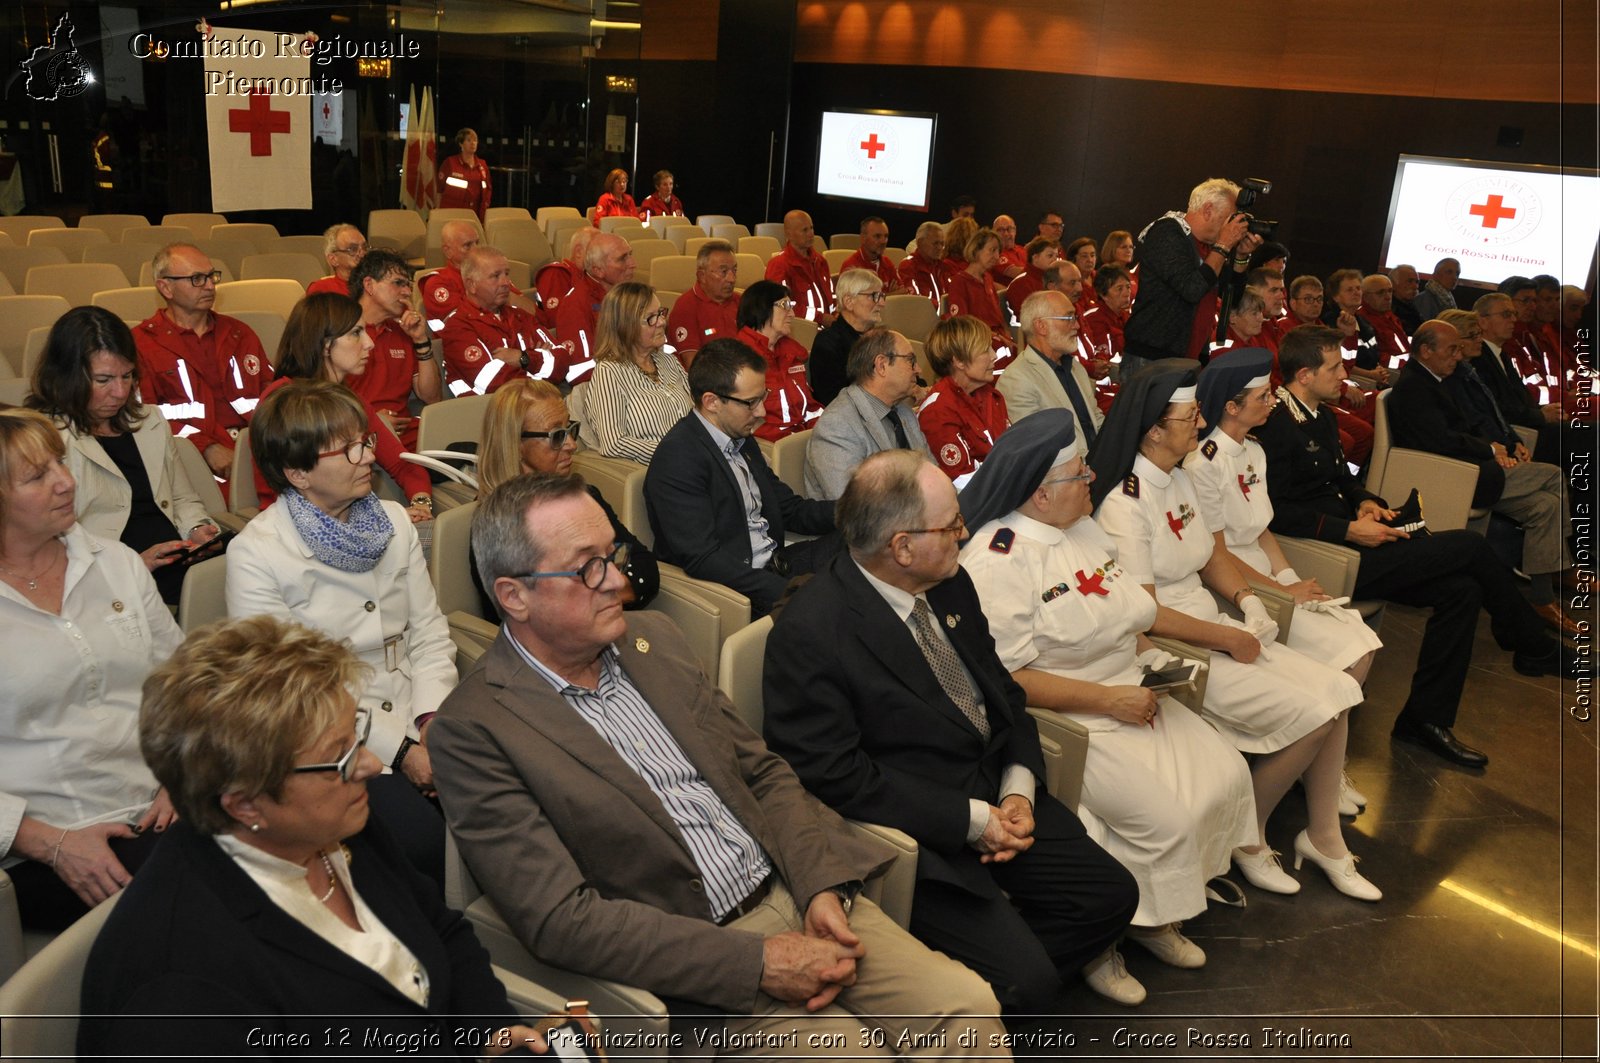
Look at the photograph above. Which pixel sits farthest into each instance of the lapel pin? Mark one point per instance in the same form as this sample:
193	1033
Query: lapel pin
116	607
952	619
642	645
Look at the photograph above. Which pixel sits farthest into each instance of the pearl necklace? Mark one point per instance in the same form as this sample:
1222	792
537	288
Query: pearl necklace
333	881
33	581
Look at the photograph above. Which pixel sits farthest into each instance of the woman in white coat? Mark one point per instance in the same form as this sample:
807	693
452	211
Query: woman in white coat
1268	700
1162	792
330	555
132	486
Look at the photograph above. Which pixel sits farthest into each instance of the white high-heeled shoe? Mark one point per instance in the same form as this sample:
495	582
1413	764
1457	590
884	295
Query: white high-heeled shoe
1263	871
1341	872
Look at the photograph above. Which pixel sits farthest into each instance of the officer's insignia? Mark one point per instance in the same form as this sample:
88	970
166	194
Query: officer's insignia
951	620
950	454
1003	538
1209	449
441	294
1130	485
552	302
680	333
642	645
1311	446
252	365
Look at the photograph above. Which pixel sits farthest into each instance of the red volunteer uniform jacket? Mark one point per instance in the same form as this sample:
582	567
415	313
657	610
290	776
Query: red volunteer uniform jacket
575	317
386	383
806	277
471	337
654	207
883	268
465	187
960	428
1015	257
925	277
443	293
205	386
696	320
328	284
611	206
1394	347
790	405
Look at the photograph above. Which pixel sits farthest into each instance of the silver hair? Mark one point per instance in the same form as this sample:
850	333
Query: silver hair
882	498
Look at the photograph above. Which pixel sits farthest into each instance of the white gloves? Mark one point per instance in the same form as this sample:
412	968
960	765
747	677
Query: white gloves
1156	659
1333	607
1256	620
1287	576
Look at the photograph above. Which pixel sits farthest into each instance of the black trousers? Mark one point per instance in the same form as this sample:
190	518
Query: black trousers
1068	900
1454	573
44	902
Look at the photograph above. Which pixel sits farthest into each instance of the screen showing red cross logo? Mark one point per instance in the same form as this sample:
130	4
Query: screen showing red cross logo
872	145
260	121
1492	211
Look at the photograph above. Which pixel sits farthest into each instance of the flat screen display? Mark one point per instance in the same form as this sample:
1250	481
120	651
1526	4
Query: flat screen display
877	156
1498	219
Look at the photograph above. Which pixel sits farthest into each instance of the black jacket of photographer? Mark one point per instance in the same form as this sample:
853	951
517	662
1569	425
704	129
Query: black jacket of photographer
1173	279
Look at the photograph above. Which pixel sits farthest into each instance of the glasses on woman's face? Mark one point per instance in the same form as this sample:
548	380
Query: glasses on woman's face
556	437
656	317
1186	420
354	451
786	305
592	573
197	279
345	765
1086	477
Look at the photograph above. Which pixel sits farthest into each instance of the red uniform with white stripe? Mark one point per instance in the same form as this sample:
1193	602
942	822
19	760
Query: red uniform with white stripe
471	337
328	284
1016	256
883	269
611	206
925	277
465	187
806	277
443	293
696	320
205	386
1101	327
1394	347
554	283
790	405
575	317
654	207
386	383
1028	282
960	428
976	296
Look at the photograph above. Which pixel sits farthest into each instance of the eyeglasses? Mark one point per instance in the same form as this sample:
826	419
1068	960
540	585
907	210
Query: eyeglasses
1059	317
354	250
957	529
1187	420
196	279
592	573
345	765
876	297
355	451
557	437
1087	476
750	404
656	317
1051	224
1307	299
783	304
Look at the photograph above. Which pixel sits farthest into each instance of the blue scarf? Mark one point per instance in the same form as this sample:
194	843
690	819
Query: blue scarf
352	545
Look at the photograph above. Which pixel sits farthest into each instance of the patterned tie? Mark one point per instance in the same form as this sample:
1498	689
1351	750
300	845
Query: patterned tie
1470	375
947	669
893	424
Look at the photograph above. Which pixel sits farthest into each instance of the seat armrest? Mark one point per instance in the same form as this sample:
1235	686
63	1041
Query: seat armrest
1071	740
893	888
1194	695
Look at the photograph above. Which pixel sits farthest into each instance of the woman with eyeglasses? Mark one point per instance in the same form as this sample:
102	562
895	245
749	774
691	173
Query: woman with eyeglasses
765	317
1162	791
614	199
964	413
132	485
83	627
860	296
972	292
1247	319
278	901
330	555
325	340
638	390
1269	700
526	429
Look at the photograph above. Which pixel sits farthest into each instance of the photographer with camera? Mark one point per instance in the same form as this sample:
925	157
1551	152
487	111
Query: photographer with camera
1185	259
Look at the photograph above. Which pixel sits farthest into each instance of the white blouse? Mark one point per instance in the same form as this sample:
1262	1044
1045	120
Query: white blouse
69	703
1162	537
629	412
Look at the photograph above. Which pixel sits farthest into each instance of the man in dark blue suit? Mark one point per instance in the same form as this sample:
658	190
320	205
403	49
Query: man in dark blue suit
883	691
717	509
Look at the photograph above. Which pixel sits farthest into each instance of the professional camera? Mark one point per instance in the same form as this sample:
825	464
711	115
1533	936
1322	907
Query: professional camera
1253	187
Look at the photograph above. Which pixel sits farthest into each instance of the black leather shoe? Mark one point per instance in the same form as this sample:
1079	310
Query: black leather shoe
1440	741
1557	660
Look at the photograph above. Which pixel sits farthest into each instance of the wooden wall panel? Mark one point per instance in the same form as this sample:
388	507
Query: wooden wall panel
680	29
1479	49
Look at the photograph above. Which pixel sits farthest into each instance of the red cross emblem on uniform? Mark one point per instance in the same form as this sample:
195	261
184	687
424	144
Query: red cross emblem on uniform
1088	585
1175	523
1244	486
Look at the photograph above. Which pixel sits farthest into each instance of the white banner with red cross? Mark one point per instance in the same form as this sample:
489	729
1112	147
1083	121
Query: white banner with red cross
258	120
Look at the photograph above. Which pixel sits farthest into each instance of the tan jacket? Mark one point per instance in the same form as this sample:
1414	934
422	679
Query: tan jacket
105	498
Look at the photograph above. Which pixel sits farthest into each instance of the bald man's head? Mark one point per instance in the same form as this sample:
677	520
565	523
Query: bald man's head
797	231
456	238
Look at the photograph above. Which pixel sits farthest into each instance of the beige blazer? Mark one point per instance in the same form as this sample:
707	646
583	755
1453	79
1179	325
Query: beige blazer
579	855
1030	384
105	497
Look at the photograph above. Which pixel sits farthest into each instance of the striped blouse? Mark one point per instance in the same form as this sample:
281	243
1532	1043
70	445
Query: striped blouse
629	412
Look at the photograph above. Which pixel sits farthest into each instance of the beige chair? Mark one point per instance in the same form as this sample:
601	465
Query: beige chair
14	390
1192	696
763	247
399	230
72	242
204	599
803	332
76	282
751	269
774	229
836	259
160	235
647	251
6	241
680	235
242	496
33	349
545	215
21	315
18	226
732	232
617	224
710	221
1335	568
229	253
662	222
130	304
304	245
672	272
205	485
258	235
919	351
114	225
642	235
691	246
844	242
130	256
740	678
1445	485
910	315
668	299
442	425
15	262
521	240
282	265
14	945
268	325
494	214
200	223
5	286
788	460
560	232
147	273
39	1004
277	295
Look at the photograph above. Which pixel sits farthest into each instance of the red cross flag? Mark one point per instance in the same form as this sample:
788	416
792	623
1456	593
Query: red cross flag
258	119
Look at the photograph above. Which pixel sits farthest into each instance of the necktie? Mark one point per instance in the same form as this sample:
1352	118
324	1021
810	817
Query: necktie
1079	405
1475	381
894	426
947	669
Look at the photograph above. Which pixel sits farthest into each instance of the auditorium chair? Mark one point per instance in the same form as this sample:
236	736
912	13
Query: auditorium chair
200	224
788	460
114	225
910	315
242	496
15	262
277	295
1445	485
33	349
680	235
647	251
229	253
446	424
268	325
22	314
204	598
14	390
642	235
673	272
844	242
130	255
751	269
545	215
773	229
803	332
130	304
399	230
707	221
763	247
618	223
1335	568
18	226
919	351
732	232
494	214
258	235
895	255
662	222
522	240
205	485
282	265
72	242
5	286
692	246
160	235
560	232
305	245
836	259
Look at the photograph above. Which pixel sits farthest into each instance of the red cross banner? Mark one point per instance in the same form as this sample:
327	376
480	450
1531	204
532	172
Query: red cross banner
258	120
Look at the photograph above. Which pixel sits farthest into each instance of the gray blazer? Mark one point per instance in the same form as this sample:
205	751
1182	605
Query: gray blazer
578	854
1030	384
848	432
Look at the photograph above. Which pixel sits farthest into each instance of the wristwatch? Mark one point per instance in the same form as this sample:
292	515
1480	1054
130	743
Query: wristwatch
846	892
400	757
